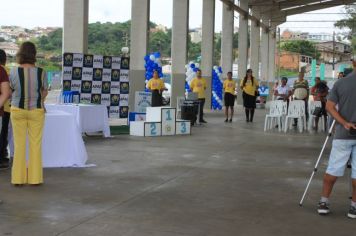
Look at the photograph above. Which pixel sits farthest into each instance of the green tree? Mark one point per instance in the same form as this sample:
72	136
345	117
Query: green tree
303	47
160	42
349	23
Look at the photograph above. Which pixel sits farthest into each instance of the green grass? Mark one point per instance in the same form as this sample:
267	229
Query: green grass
287	73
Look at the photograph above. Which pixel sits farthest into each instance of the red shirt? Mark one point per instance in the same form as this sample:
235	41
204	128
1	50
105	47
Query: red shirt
3	78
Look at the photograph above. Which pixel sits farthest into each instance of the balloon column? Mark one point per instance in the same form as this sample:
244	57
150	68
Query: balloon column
192	68
217	89
152	63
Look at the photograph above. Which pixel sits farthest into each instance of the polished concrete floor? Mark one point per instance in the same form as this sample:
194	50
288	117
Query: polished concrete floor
224	179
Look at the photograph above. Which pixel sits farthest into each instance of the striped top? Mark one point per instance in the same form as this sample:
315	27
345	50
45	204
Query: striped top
26	84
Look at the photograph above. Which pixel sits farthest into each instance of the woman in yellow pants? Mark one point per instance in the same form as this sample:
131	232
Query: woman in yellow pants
29	85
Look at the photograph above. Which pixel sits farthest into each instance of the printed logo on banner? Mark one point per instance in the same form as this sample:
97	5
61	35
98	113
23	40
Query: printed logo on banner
114	99
106	74
68	59
77	73
124	100
114	112
125	63
86	86
107	62
76	85
124	75
124	88
67	85
115	75
96	87
97	74
98	61
96	98
124	111
85	98
116	63
105	99
88	60
67	73
87	74
115	88
106	87
78	60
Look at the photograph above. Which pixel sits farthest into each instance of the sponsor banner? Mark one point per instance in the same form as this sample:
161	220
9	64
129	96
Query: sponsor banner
67	73
124	88
124	111
116	63
114	99
76	85
142	100
78	60
125	63
88	61
105	99
67	85
115	75
97	74
124	75
86	87
77	73
96	87
87	74
115	88
114	111
96	98
124	100
107	62
106	87
85	98
68	59
98	61
106	74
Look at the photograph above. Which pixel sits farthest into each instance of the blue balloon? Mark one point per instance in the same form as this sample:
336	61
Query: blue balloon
157	54
220	69
147	58
192	65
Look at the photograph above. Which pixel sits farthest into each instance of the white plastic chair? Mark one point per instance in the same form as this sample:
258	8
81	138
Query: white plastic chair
277	110
296	110
180	101
312	106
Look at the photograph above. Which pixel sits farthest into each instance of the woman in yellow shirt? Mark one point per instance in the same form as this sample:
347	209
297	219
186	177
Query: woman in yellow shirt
229	96
156	86
249	86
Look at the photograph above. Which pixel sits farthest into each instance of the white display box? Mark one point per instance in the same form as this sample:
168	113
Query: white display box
153	114
183	127
168	121
145	129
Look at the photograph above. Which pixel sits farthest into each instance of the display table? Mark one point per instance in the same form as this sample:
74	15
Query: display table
90	118
62	143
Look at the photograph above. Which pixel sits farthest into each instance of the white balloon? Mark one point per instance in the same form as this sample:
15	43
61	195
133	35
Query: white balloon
152	57
197	65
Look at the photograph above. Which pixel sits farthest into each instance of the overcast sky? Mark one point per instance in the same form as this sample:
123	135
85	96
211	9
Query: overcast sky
50	13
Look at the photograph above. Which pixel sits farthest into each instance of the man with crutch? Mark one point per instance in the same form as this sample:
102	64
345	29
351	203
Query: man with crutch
343	95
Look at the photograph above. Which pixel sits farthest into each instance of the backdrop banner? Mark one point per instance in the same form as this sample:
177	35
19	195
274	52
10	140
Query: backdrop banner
99	80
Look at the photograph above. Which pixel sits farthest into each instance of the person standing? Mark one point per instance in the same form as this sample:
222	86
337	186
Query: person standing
156	86
198	85
301	92
5	92
249	86
229	96
29	84
344	144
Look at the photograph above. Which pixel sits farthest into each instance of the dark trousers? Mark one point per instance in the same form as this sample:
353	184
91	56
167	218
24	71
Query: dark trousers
201	111
3	135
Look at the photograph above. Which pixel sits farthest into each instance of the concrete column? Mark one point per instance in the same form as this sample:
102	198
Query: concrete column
207	46
179	48
271	57
227	38
75	26
255	48
243	41
140	15
264	54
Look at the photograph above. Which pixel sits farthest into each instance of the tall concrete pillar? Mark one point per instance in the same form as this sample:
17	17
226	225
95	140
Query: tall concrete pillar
243	41
75	26
227	38
255	39
207	46
271	57
264	54
140	16
179	48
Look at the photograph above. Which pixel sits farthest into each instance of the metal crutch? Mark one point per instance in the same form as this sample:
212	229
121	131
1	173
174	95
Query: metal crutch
317	162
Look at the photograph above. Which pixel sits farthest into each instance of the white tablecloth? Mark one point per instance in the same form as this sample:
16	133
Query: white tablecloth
62	142
89	117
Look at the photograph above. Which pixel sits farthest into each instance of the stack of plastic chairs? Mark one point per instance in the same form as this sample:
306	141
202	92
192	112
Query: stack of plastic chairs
278	109
296	110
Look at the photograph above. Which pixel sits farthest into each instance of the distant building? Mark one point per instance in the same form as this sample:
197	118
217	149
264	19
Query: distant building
9	48
342	51
320	37
294	35
196	35
293	61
